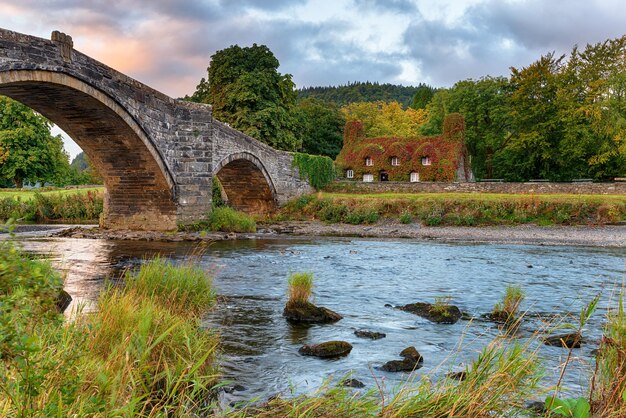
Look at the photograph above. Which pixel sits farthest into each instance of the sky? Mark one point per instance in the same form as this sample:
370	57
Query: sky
167	44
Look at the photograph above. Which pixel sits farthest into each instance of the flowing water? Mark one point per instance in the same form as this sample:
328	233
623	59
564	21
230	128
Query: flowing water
360	279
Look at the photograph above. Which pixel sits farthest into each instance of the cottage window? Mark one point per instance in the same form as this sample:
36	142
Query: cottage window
349	174
368	178
369	162
415	177
426	161
395	161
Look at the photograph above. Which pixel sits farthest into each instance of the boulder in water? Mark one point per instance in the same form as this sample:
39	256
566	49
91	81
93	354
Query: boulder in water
445	314
329	349
308	313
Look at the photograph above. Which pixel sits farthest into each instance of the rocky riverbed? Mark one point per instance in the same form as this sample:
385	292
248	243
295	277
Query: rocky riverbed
596	236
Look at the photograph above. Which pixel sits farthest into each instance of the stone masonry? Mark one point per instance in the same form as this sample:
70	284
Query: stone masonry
157	155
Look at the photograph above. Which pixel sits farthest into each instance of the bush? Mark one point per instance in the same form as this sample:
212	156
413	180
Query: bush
229	220
333	213
406	218
362	216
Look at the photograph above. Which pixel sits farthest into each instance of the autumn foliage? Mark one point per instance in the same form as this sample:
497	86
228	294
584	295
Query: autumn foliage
446	153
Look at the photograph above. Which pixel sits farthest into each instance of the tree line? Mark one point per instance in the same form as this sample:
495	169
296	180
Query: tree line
361	92
560	118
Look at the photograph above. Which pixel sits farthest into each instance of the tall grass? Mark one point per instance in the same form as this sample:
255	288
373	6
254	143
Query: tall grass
497	383
507	309
300	287
142	353
229	220
44	207
608	393
458	209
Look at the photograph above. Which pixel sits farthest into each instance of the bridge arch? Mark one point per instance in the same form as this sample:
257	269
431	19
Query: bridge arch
140	187
246	183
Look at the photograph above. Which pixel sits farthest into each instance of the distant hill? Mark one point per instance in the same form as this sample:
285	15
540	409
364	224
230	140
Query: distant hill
360	92
80	162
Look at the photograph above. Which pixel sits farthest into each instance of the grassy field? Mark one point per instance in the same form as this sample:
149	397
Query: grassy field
29	194
488	197
458	209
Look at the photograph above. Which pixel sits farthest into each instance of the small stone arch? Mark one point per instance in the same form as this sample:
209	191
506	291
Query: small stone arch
140	186
246	183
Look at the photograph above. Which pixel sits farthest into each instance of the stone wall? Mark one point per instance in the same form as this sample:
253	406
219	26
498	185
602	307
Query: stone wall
618	188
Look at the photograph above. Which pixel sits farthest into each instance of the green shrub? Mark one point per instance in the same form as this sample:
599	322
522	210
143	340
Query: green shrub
406	218
362	216
333	213
229	220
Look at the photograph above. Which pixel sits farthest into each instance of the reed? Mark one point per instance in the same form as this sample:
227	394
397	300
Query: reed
507	309
142	353
300	289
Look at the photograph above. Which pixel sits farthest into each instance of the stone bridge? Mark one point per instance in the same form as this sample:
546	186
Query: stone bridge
157	155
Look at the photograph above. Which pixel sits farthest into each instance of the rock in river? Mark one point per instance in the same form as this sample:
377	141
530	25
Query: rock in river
307	313
412	361
372	335
63	301
329	349
448	314
571	340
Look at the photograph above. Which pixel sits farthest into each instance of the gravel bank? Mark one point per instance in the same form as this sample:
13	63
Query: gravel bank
597	236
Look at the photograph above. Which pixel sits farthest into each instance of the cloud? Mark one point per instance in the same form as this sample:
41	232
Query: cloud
168	43
494	35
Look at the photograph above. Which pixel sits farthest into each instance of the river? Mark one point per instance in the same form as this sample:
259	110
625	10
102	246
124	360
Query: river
360	278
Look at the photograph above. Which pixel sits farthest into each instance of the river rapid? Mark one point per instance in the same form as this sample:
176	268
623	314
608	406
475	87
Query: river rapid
362	279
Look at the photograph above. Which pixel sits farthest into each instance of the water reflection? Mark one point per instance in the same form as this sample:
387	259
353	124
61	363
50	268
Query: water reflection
358	278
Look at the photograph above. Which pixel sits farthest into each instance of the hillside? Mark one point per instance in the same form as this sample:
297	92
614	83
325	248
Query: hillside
360	92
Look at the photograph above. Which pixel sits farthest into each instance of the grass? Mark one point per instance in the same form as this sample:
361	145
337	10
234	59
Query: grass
226	219
608	392
507	309
497	383
459	209
300	287
441	305
142	353
29	194
52	205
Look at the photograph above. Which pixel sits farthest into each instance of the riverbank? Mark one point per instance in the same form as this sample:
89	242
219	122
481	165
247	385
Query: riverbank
594	236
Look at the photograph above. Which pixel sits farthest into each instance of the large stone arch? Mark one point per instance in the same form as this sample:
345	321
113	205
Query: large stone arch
140	187
247	184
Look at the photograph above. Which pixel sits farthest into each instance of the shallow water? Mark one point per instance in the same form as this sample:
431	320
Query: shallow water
357	278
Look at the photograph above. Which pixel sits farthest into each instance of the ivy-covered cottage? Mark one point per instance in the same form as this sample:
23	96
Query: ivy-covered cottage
427	158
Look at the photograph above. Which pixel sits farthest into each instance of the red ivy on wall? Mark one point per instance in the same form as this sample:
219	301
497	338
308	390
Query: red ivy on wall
446	153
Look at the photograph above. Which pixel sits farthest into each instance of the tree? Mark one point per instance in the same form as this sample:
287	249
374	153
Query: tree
484	106
247	92
320	127
423	96
386	119
27	148
82	171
